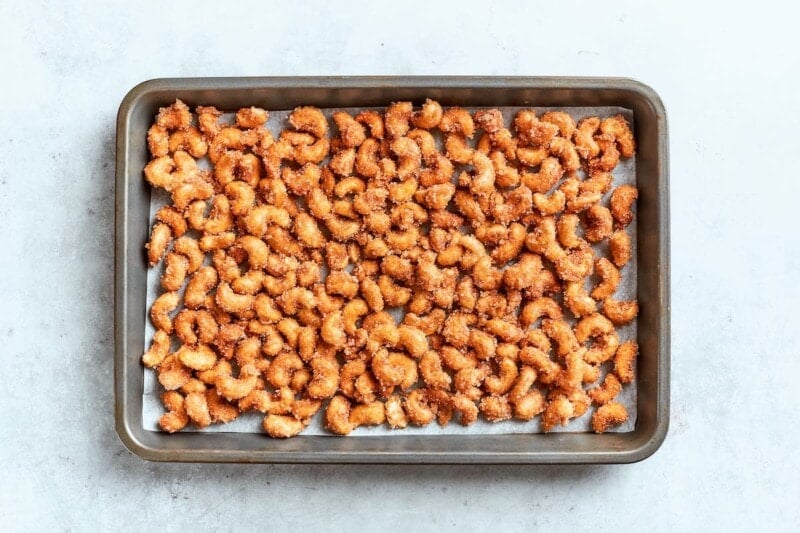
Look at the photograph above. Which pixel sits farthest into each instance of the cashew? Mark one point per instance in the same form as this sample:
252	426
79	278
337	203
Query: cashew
160	239
619	244
282	426
175	269
620	313
457	120
159	349
199	357
505	378
606	392
175	419
159	312
231	302
624	359
495	408
608	415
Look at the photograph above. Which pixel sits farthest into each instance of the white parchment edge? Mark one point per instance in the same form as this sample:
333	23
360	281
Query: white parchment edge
624	173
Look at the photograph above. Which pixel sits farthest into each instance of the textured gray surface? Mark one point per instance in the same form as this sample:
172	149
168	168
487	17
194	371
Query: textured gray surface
729	83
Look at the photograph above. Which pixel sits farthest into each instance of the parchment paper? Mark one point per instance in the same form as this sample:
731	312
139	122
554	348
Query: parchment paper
625	172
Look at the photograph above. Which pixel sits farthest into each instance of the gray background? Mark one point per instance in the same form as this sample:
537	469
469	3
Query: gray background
729	81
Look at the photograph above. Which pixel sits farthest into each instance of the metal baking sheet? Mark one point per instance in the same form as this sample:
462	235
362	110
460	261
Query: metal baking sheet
476	445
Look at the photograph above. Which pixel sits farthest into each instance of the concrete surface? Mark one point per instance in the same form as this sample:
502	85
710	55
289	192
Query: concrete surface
728	77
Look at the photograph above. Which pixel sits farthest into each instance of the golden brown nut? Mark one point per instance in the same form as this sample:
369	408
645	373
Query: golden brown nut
457	120
610	277
495	408
395	415
550	205
585	144
420	409
532	157
282	369
515	206
577	300
622	200
197	408
606	392
565	123
176	418
158	140
601	330
190	249
456	359
468	381
483	343
465	407
282	426
607	416
199	357
429	116
397	117
619	245
189	140
571	376
432	372
337	416
550	171
158	350
251	117
231	302
175	117
309	119
618	128
409	157
527	403
351	131
370	414
620	313
219	408
538	308
160	239
374	121
232	388
565	151
502	329
501	383
609	155
490	120
172	218
193	326
332	330
597	183
510	247
159	311
566	231
394	369
559	411
325	380
533	131
599	223
561	332
172	374
624	360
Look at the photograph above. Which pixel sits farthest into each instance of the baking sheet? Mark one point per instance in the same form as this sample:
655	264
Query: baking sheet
624	173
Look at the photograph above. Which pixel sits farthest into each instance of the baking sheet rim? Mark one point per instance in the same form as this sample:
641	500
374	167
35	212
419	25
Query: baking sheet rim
637	449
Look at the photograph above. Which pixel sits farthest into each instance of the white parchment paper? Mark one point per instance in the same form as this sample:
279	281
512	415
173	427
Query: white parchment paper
624	173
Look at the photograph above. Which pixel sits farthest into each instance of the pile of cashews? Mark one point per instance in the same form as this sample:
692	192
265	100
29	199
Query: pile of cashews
286	264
